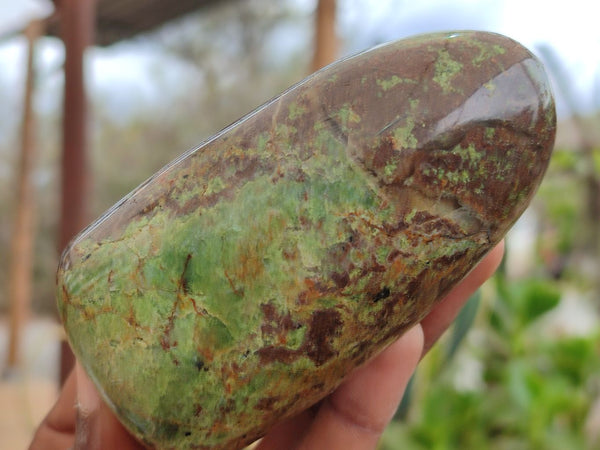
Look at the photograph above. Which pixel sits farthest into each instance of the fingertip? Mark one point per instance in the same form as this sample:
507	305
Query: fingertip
410	343
97	426
494	257
406	351
88	399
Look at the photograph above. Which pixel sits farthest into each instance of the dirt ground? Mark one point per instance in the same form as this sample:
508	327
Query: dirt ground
29	391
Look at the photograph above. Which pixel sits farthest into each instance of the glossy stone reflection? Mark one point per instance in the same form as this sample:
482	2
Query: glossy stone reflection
241	283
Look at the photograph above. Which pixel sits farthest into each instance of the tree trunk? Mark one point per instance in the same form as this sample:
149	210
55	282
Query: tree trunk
21	261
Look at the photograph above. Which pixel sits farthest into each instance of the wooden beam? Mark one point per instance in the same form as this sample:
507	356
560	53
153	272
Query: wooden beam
124	19
326	40
77	28
21	261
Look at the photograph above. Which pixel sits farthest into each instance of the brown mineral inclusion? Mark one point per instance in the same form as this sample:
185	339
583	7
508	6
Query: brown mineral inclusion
241	283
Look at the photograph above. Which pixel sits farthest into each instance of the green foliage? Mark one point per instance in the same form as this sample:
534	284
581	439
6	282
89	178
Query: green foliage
563	201
565	160
520	302
534	389
463	324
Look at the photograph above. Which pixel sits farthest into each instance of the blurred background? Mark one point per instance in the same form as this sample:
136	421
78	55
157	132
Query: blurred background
520	369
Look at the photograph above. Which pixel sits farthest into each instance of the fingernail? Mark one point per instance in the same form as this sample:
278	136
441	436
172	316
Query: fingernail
87	396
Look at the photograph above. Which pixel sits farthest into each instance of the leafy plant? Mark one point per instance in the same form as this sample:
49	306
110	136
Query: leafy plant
533	390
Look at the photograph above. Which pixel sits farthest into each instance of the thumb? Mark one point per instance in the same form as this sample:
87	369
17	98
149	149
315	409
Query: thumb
97	427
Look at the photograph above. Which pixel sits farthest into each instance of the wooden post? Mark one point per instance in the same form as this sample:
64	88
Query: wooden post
77	19
21	261
326	41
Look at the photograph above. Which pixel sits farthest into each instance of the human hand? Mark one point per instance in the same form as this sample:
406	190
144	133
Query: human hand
352	417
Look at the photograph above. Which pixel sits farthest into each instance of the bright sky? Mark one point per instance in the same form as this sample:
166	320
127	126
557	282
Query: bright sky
569	28
14	14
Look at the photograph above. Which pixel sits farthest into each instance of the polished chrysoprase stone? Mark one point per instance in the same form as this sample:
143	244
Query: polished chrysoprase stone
241	283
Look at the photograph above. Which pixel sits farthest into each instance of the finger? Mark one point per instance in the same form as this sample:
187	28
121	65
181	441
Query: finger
97	427
355	415
444	313
57	430
288	433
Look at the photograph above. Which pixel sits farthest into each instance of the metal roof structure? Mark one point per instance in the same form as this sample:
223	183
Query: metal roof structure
117	20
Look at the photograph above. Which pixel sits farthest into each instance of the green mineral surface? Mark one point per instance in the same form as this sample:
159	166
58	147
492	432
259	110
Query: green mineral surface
241	283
